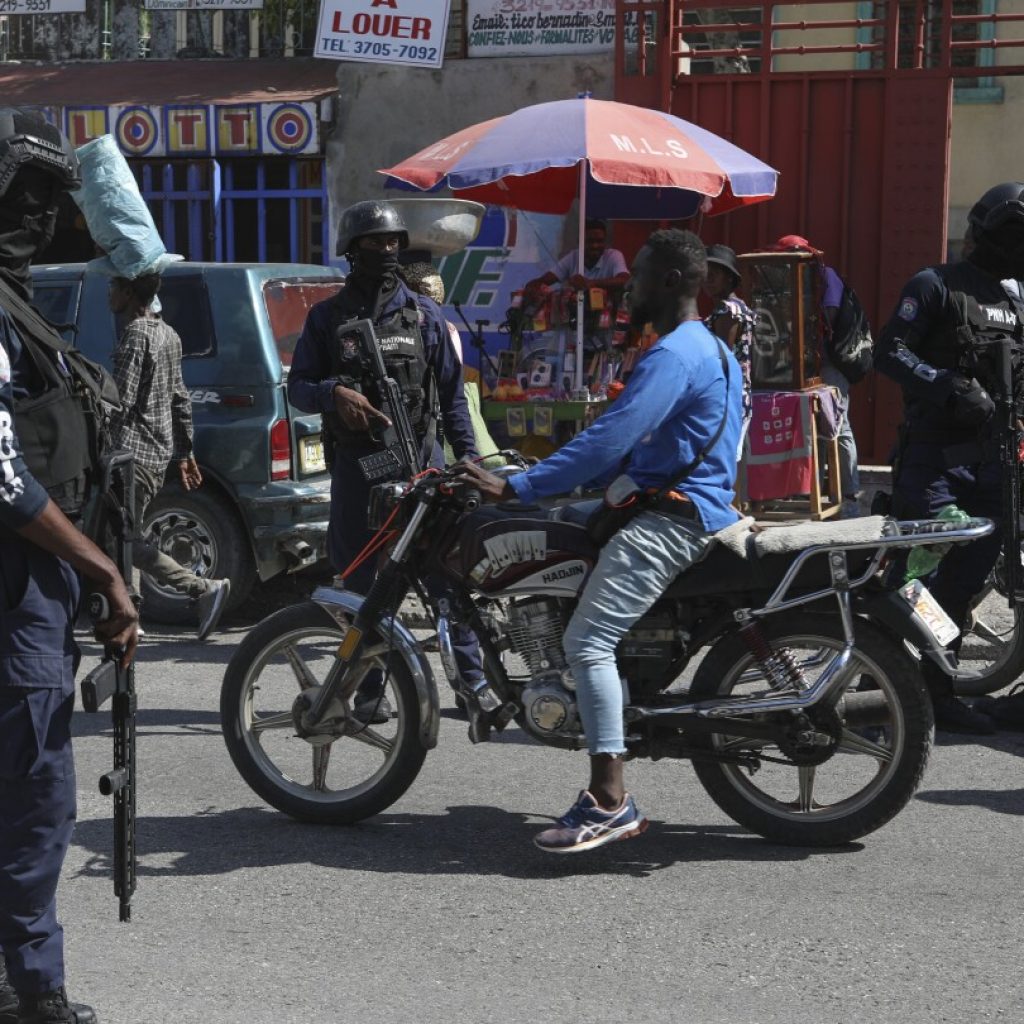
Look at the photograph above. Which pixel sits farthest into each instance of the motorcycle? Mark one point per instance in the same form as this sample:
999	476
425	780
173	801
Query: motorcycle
804	713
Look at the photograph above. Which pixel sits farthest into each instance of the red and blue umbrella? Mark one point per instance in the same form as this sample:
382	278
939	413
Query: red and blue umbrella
625	162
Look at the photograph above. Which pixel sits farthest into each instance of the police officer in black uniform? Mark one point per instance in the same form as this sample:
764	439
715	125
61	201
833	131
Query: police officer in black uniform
933	347
328	376
41	555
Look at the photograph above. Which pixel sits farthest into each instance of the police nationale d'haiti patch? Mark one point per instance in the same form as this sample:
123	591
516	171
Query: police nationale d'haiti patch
908	309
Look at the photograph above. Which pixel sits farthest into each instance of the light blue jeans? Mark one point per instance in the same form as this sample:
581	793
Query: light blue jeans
634	570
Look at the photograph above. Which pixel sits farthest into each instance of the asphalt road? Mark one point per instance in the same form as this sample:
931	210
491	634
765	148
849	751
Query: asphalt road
441	909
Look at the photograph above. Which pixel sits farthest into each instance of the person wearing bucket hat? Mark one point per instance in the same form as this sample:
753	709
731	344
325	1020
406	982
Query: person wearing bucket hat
832	296
42	555
731	319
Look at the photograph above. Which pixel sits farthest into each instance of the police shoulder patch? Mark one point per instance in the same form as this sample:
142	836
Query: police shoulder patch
908	309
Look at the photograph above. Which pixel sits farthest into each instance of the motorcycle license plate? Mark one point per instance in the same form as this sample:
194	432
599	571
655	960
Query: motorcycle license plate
930	612
311	456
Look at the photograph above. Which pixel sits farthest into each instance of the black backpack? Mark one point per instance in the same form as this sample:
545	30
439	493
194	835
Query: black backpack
849	346
63	425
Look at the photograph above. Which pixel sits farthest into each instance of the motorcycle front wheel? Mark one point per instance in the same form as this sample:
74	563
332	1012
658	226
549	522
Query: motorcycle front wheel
875	765
992	652
358	770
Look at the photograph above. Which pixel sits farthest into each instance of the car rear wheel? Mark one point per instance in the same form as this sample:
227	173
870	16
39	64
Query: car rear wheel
201	532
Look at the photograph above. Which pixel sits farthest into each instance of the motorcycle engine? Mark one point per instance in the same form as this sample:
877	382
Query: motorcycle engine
534	632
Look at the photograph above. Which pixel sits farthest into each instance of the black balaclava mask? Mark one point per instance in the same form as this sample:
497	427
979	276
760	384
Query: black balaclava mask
1000	252
374	277
28	218
374	266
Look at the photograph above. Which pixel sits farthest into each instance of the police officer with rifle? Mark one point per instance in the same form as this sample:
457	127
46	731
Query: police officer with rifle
954	345
377	323
42	555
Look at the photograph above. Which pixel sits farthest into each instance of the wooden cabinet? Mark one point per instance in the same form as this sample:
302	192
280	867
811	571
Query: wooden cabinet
784	289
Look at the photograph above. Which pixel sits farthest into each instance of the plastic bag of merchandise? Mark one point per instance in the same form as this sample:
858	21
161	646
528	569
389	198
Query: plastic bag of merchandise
116	214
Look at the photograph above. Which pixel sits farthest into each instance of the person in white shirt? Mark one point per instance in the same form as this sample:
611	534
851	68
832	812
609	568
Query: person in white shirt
603	267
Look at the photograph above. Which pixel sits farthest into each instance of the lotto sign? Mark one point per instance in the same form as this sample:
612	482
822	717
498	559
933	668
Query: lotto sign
408	32
290	128
137	131
187	130
238	129
83	124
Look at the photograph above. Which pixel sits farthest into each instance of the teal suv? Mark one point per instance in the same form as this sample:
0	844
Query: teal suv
265	499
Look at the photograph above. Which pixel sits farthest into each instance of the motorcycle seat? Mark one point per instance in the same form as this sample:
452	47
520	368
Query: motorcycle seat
745	561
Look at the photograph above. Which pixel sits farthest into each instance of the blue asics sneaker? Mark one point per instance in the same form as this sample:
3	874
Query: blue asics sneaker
585	826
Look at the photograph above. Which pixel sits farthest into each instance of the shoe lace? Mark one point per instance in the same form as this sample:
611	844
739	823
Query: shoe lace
575	816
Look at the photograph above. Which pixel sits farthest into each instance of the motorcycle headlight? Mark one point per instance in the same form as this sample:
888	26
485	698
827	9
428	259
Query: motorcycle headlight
383	500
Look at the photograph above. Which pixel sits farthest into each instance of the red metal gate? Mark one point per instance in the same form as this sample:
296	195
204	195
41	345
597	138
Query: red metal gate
863	151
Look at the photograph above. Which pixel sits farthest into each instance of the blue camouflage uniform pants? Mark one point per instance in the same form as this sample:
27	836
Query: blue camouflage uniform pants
38	658
924	487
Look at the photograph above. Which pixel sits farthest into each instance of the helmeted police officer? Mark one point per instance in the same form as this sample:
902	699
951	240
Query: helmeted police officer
41	554
328	376
933	346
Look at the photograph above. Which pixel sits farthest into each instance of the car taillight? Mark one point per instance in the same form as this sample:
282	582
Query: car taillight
280	451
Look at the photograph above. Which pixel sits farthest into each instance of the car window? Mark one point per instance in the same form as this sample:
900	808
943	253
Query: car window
288	300
186	307
58	302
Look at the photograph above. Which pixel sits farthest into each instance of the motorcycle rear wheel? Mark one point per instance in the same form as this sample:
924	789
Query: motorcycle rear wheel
360	772
873	772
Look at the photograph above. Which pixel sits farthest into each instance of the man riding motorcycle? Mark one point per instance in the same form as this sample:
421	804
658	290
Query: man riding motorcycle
673	432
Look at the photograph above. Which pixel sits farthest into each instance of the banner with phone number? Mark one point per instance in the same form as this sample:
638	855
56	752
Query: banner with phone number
410	32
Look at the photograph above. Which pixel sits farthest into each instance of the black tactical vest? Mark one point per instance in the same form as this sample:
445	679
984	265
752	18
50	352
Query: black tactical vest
401	343
983	311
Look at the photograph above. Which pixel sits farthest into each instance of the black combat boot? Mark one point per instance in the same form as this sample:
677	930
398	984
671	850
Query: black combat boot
53	1008
8	997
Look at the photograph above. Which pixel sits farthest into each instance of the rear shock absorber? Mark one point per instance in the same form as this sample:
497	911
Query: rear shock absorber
779	666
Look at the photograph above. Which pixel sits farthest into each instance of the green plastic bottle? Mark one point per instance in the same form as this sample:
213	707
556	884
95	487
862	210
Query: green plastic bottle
925	558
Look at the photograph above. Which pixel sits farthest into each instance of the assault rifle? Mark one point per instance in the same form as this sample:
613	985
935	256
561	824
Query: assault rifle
108	681
400	458
998	353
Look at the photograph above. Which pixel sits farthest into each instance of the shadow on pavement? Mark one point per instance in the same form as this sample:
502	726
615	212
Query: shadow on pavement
1003	801
151	722
468	840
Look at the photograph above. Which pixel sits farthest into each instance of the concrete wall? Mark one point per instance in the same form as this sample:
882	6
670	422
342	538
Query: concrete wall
986	144
386	113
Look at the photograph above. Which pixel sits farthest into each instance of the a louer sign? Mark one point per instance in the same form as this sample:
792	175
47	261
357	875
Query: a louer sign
383	31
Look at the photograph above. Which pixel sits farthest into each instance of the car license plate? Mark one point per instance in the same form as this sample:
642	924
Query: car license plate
311	456
930	612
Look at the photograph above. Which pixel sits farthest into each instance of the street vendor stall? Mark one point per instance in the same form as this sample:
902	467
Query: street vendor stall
790	463
618	161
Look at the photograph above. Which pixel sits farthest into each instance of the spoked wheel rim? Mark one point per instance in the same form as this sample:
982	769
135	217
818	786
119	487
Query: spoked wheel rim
992	637
863	763
340	767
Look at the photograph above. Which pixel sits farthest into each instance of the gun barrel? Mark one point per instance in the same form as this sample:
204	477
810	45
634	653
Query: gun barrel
113	782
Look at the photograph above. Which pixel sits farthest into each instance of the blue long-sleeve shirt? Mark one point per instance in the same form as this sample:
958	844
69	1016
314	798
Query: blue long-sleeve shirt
666	414
311	385
22	497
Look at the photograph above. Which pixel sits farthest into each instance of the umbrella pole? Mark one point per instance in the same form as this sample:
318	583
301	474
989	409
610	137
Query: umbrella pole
579	292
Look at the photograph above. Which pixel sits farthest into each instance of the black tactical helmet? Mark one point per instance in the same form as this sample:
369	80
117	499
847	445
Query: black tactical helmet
27	139
1001	206
373	217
